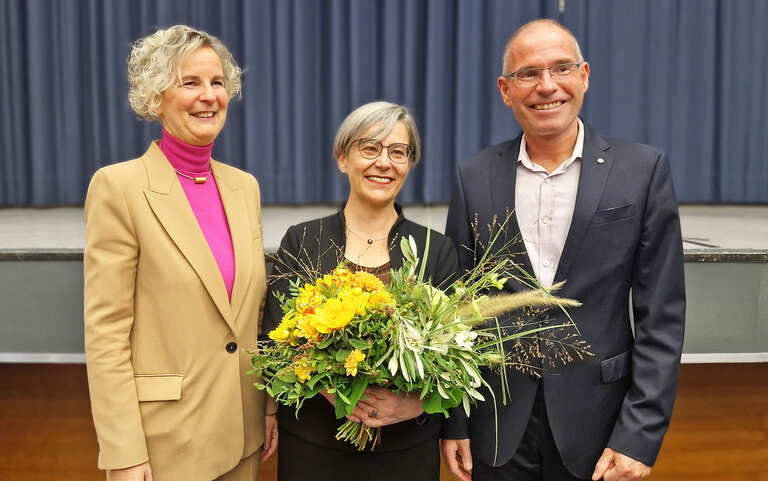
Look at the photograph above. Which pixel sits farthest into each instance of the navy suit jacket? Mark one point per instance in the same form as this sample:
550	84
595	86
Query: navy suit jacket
624	243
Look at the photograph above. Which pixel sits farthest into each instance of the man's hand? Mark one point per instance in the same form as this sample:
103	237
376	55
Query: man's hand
614	466
270	437
455	451
141	472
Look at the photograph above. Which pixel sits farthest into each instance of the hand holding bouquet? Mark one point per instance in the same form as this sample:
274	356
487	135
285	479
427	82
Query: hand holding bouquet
348	331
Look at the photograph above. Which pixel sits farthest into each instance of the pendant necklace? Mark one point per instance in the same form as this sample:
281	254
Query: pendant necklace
197	179
369	240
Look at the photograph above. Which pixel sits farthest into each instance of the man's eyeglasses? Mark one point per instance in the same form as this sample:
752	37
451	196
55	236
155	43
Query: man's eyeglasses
528	77
371	148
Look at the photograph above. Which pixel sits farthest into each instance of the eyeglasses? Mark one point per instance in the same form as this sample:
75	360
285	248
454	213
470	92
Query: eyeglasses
528	77
371	149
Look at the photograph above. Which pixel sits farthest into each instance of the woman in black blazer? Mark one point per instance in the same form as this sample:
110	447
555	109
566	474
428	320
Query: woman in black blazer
376	146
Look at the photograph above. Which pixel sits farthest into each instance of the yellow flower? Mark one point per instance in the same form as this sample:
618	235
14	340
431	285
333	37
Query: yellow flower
368	281
352	361
340	278
308	299
381	298
284	331
303	372
335	314
305	328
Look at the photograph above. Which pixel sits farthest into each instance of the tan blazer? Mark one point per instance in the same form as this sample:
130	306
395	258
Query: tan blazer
159	328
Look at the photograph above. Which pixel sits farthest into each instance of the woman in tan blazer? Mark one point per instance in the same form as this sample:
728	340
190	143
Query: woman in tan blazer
175	281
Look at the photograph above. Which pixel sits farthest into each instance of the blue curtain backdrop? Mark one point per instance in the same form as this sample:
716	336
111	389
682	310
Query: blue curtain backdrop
687	76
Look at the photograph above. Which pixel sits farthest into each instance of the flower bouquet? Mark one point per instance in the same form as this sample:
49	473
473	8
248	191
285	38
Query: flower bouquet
347	330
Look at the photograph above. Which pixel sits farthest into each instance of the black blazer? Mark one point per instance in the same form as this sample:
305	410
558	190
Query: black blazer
320	243
624	241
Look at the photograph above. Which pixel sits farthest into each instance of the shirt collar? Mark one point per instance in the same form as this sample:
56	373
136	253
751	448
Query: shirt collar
577	153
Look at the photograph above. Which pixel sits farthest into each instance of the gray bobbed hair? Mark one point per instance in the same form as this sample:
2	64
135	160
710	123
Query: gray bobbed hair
155	62
382	115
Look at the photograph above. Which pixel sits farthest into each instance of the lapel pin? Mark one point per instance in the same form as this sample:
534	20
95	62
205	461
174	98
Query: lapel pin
600	160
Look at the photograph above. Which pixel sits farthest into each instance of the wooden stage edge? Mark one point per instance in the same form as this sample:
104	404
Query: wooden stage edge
719	429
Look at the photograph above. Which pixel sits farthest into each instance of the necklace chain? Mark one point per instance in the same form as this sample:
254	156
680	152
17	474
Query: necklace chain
370	240
197	179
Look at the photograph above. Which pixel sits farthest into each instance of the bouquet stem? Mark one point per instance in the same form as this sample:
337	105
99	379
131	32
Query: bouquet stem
359	435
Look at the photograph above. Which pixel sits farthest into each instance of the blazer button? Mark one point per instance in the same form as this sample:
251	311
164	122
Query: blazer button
231	347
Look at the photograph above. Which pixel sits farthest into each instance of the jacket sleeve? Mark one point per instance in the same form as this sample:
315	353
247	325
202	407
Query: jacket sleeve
658	302
458	226
445	266
285	268
458	229
110	263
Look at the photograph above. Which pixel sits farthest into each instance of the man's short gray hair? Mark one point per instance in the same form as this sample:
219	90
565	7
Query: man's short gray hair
383	115
155	62
546	21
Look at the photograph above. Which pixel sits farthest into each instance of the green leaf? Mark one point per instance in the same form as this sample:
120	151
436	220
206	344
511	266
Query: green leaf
341	405
289	376
315	379
312	391
427	387
342	354
358	386
433	404
358	344
424	258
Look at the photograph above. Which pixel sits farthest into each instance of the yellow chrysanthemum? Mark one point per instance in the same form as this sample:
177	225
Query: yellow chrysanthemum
305	328
308	299
284	331
381	298
352	361
335	314
339	278
368	281
356	299
304	373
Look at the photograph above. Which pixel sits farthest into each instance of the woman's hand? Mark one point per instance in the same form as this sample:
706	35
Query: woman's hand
141	472
357	413
383	407
270	437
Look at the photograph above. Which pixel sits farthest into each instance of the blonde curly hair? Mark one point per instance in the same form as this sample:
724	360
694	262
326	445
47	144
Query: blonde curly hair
155	61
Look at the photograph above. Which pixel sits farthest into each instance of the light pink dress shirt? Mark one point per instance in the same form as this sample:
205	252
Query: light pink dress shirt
544	205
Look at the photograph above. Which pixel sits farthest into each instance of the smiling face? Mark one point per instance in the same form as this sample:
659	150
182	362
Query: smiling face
375	182
194	111
548	109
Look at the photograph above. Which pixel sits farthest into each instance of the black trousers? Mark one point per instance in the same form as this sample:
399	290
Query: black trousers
537	458
302	460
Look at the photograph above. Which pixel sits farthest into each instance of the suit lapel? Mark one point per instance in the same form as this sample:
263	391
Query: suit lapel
596	162
503	170
169	203
233	199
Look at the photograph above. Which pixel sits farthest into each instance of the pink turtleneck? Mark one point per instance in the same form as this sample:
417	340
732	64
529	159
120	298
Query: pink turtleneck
204	200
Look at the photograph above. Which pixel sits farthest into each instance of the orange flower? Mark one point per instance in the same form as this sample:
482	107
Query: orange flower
308	299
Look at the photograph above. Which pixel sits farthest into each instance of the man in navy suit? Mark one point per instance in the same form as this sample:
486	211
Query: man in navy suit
601	214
